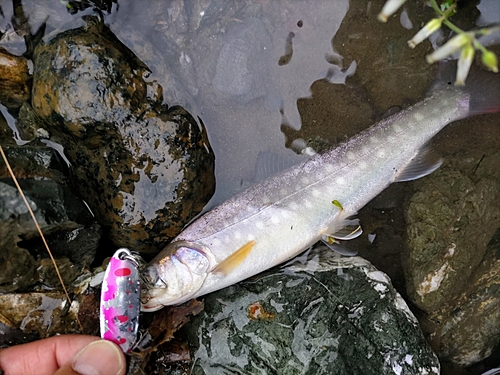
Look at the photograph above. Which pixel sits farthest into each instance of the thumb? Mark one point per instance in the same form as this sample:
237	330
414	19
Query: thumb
100	357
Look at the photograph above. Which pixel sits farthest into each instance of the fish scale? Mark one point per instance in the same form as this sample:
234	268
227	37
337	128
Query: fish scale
278	218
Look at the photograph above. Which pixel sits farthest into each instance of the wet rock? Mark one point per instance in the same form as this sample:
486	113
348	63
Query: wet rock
451	271
444	244
467	329
72	239
17	263
25	317
66	222
14	76
144	169
319	314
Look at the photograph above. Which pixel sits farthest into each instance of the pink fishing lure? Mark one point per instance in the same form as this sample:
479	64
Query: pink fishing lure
120	300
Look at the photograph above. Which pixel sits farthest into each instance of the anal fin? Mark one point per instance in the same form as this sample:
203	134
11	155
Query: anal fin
235	259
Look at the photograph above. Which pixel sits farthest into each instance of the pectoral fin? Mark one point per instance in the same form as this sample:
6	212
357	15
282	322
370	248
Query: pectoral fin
351	230
422	164
342	250
235	259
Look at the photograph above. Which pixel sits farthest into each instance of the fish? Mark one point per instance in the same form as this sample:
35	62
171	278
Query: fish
316	200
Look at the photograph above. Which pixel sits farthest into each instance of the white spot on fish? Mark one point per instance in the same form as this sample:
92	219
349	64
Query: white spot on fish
308	204
365	149
340	181
216	242
266	200
305	180
362	164
250	237
275	219
329	168
373	140
418	116
381	153
315	193
350	155
237	235
283	192
259	225
227	239
294	206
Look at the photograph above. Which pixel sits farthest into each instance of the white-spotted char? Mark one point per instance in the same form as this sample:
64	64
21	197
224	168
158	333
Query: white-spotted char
322	195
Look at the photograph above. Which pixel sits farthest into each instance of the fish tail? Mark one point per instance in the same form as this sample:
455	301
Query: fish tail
482	87
484	90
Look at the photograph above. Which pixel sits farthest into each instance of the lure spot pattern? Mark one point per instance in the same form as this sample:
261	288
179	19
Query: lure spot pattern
120	300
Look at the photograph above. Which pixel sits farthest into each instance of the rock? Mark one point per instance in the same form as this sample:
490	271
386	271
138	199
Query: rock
70	230
72	239
319	314
451	272
444	243
14	76
18	266
144	169
25	317
467	328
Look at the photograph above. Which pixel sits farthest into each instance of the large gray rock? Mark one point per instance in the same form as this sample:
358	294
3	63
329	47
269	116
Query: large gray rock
320	314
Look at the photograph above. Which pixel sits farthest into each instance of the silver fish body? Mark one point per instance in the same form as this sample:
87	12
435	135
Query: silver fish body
278	218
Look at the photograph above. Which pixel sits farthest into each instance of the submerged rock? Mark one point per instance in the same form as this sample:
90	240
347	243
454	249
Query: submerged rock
319	314
144	169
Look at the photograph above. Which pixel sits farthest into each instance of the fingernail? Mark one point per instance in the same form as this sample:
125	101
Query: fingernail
100	357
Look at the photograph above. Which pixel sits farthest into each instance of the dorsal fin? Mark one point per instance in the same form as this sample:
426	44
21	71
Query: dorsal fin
235	259
422	164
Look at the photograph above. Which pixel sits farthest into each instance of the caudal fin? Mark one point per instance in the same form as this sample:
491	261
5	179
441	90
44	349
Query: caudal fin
484	90
483	87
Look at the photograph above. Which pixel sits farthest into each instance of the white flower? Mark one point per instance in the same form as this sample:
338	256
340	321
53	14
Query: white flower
431	26
453	45
464	63
389	8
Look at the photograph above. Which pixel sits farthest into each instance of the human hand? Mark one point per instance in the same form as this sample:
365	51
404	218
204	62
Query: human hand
64	355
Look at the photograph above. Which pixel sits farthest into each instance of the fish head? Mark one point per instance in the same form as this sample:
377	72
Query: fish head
174	275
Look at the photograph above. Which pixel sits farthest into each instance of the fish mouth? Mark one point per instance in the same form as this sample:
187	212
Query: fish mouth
149	279
150	307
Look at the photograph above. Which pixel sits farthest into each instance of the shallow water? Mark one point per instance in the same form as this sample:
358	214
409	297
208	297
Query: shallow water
261	74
